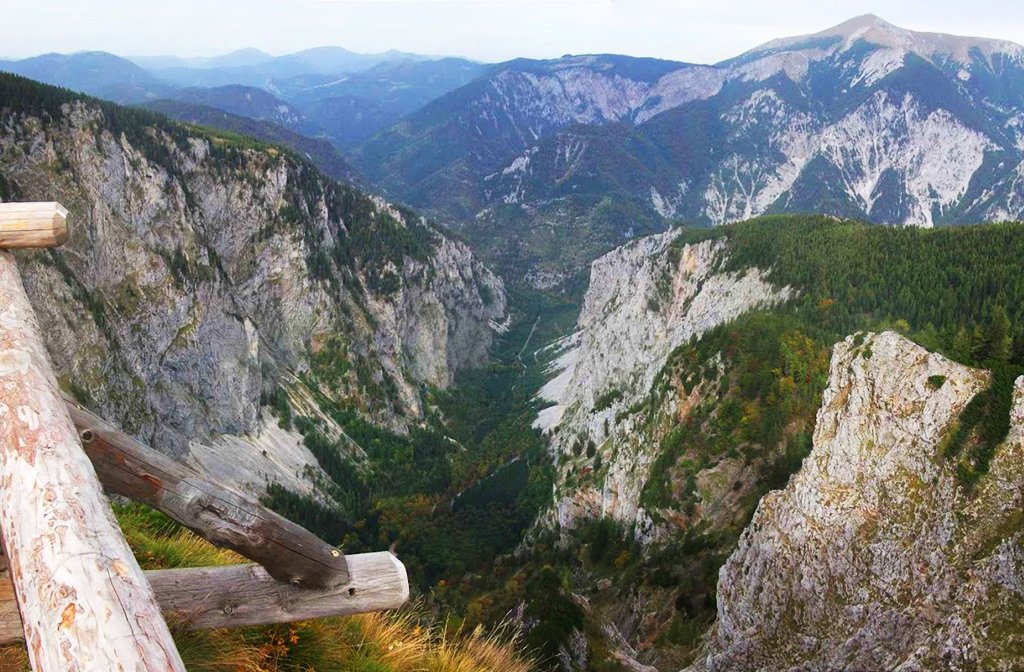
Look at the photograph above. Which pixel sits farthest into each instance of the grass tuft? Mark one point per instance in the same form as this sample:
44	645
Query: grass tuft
378	642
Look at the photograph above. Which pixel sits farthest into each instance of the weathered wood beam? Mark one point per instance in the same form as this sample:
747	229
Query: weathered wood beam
32	225
240	595
83	600
244	595
224	517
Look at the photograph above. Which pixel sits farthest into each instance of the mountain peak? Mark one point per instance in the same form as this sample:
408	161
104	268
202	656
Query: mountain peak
865	21
875	30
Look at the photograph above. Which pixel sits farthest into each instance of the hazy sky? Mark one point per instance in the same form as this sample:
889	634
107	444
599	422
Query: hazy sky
688	30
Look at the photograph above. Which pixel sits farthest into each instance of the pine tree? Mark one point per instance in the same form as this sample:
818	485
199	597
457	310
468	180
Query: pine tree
997	339
978	343
1018	348
962	347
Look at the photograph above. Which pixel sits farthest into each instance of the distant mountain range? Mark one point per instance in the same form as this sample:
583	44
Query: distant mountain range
863	120
94	72
331	92
255	68
352	107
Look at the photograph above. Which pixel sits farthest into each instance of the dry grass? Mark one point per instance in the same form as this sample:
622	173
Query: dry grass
377	642
13	659
159	543
477	651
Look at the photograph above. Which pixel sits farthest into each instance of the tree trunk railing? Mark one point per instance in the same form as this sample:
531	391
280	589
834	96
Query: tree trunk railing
70	587
222	516
242	595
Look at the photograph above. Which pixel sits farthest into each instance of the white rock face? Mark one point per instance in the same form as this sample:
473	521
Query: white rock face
250	462
534	103
1003	201
748	184
267	454
933	154
644	300
680	87
873	557
928	156
878	65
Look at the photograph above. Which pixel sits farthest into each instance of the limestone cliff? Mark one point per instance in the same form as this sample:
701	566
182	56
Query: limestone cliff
203	271
644	300
874	556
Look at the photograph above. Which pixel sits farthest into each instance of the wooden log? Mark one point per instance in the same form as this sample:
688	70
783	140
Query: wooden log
244	595
224	517
241	595
32	225
83	599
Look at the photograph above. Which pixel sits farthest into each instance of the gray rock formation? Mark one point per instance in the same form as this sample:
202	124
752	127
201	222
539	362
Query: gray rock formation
873	557
644	300
201	270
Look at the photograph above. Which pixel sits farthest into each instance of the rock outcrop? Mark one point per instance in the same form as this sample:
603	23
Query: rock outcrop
203	271
644	300
874	556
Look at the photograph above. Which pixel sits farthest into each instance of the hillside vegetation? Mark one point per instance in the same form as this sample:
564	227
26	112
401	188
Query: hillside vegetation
404	641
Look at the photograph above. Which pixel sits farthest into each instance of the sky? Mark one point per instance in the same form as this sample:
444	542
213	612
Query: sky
698	31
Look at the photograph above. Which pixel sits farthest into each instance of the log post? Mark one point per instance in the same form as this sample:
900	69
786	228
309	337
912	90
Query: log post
32	225
242	595
82	597
224	517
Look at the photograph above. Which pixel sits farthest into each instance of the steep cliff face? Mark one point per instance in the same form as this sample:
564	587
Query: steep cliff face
874	556
203	271
644	300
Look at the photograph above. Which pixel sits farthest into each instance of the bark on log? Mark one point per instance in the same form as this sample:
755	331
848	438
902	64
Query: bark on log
32	225
82	597
223	516
244	595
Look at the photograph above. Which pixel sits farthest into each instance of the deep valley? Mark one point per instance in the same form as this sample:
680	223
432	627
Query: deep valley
635	364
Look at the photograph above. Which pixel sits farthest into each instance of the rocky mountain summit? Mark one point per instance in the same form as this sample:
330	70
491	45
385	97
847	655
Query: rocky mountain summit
875	30
205	274
873	556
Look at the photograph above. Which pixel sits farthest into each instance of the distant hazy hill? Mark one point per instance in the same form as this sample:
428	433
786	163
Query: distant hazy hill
241	57
319	151
253	68
352	107
248	101
95	72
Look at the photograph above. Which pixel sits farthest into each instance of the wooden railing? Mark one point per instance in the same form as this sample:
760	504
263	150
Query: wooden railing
69	585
